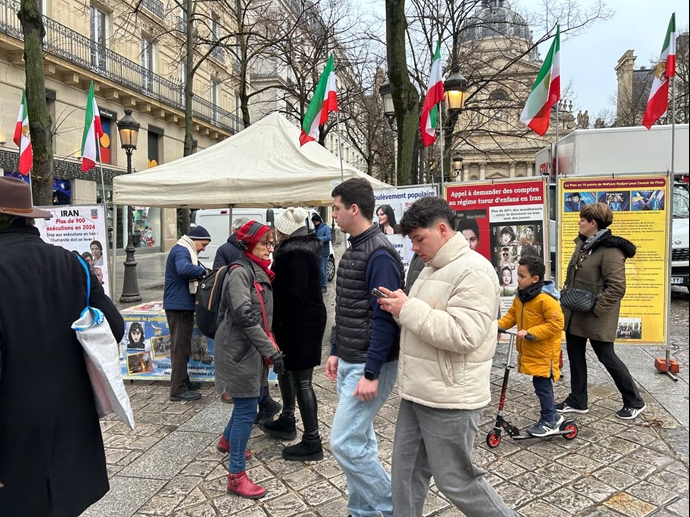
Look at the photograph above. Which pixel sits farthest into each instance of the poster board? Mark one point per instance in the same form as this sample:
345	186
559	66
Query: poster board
399	200
499	219
641	215
82	229
145	347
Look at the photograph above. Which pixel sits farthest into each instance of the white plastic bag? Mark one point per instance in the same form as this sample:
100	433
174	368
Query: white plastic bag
102	362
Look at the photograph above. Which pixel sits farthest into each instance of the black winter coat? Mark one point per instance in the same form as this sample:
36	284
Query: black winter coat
227	253
299	314
52	460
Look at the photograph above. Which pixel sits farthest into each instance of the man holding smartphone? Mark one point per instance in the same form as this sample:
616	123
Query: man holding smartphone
446	346
364	355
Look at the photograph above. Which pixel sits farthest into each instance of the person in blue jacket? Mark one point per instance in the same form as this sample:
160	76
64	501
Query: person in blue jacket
323	233
182	270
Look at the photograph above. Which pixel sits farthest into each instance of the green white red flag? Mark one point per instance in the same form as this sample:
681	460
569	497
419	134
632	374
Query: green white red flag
546	90
434	96
93	131
324	101
22	137
657	104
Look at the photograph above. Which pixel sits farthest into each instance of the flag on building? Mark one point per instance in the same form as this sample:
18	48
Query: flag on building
92	131
22	137
546	90
665	68
322	103
434	96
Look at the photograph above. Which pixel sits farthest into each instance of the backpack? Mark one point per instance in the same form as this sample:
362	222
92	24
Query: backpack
207	300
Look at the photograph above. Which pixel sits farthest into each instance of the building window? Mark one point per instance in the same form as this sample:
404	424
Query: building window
99	37
217	52
155	140
215	98
147	55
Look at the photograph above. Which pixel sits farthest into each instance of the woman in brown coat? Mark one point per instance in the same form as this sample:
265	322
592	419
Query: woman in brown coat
598	266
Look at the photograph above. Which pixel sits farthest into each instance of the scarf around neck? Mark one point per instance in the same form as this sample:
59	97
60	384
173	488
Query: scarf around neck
531	292
263	264
188	244
589	242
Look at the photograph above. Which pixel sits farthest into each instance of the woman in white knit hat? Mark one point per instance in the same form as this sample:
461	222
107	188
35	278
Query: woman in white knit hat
299	321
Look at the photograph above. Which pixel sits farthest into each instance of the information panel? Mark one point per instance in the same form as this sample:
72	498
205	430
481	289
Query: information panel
640	215
499	220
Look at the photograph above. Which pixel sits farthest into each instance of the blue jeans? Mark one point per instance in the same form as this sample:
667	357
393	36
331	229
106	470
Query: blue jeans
543	387
354	445
324	269
238	430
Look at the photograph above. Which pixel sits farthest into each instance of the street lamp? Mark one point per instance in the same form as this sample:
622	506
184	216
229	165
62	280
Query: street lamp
457	165
455	88
128	128
385	91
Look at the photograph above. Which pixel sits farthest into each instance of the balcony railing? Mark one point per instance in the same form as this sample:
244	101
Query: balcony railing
154	6
63	42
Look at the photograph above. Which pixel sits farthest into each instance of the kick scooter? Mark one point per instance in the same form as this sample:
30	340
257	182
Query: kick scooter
567	429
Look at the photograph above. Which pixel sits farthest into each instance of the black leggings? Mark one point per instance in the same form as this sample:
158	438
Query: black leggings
296	385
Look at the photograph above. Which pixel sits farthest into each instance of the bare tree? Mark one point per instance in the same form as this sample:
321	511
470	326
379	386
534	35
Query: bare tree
39	119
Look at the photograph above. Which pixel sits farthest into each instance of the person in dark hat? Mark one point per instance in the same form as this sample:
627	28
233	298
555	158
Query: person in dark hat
323	233
52	460
182	272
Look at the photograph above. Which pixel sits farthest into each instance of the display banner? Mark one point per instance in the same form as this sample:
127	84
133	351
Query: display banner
81	229
145	347
397	201
499	219
640	215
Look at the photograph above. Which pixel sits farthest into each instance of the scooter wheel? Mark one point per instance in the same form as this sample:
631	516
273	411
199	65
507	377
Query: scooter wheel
571	431
493	438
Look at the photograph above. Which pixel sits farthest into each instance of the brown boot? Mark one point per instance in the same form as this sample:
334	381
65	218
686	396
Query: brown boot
241	485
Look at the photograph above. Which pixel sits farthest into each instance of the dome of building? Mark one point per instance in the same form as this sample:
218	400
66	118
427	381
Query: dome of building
495	18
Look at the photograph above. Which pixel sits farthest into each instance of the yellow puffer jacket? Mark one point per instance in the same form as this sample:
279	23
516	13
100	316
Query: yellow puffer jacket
542	317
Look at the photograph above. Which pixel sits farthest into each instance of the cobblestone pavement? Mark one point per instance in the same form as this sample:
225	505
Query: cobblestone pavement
169	465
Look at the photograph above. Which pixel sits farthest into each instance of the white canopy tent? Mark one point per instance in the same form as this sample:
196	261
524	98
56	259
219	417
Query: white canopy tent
262	166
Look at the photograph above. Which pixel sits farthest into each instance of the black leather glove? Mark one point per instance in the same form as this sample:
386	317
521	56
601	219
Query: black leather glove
278	364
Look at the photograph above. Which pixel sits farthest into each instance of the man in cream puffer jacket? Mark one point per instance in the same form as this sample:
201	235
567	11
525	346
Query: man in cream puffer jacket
447	342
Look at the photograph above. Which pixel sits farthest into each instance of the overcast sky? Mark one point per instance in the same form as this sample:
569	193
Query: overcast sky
589	58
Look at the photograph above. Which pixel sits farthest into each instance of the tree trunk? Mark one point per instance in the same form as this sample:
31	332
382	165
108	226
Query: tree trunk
39	120
183	219
405	96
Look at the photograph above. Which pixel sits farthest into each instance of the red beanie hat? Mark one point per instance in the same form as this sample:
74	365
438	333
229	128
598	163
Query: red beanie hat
250	234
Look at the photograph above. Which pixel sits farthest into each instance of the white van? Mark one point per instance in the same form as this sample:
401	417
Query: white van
216	221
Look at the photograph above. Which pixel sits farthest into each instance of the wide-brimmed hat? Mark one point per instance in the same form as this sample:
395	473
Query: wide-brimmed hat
15	199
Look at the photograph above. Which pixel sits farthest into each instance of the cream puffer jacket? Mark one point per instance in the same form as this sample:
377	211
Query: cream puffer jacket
449	330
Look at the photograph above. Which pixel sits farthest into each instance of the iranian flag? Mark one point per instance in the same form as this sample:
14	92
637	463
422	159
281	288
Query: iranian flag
92	132
665	68
546	90
322	103
434	95
22	137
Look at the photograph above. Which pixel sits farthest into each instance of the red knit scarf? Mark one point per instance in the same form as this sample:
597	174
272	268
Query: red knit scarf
264	264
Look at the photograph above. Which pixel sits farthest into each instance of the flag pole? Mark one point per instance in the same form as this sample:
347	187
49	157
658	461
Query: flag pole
440	123
669	209
340	145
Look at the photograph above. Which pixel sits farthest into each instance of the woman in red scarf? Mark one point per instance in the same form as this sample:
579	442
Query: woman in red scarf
244	346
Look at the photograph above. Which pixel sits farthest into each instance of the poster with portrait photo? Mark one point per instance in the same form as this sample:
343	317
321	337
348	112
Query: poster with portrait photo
474	226
81	229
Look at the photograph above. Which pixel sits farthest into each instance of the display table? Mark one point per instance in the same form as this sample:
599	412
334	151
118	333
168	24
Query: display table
145	347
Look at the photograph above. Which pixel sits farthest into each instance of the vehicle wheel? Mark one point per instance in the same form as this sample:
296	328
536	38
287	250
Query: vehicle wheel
493	438
331	268
572	431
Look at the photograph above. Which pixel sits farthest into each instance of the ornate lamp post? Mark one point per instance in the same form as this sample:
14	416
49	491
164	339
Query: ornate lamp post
388	109
128	128
457	165
455	88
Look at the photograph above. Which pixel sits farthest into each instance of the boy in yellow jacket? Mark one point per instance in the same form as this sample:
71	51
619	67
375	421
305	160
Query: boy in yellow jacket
537	313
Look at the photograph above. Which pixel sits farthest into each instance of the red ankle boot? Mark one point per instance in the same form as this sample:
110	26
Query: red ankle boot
241	485
224	447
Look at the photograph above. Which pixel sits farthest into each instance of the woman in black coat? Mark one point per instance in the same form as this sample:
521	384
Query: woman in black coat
299	321
52	460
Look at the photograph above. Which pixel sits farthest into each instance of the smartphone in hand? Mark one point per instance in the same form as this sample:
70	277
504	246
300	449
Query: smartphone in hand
378	293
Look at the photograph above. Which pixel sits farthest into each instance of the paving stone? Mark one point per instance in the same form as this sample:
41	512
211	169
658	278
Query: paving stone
680	507
593	489
251	512
320	493
169	456
539	509
161	504
614	478
569	501
285	506
125	497
231	504
195	498
203	510
629	505
651	493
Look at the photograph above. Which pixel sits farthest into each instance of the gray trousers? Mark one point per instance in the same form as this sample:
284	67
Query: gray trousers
438	442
